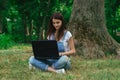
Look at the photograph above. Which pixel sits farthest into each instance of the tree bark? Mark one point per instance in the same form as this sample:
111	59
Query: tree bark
87	23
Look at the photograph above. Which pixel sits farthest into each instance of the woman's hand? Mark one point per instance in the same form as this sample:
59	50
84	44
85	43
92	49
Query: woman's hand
61	53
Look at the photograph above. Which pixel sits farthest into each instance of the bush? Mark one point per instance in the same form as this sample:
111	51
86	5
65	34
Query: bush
5	41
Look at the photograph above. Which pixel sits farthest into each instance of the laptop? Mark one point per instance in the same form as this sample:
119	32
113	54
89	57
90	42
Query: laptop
45	49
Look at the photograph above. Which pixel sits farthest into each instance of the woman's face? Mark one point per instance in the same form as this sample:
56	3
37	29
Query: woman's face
57	23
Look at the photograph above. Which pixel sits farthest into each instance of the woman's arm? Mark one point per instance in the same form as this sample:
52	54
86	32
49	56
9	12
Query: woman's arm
72	48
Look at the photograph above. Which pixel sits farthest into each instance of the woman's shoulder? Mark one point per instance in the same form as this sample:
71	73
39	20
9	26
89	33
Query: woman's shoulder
68	32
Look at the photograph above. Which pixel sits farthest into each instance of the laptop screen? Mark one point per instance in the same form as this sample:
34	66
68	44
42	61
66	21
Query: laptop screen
45	49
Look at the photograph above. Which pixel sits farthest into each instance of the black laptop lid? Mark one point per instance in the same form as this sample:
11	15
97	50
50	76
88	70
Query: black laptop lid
45	49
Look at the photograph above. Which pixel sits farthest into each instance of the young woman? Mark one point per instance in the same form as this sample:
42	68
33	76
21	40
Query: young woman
57	31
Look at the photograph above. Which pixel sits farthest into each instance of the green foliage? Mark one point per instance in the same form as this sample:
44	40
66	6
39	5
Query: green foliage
24	20
5	41
18	15
112	10
35	13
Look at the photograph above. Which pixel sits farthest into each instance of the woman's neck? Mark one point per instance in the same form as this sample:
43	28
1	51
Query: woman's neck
56	31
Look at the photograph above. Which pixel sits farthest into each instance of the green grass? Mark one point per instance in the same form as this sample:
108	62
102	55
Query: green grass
14	66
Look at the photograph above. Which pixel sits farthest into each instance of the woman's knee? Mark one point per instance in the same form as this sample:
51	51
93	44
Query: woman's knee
64	59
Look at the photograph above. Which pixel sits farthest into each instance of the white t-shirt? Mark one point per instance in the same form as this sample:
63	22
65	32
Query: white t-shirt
64	40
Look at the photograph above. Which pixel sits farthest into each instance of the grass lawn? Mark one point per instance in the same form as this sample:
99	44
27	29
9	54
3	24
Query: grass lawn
14	66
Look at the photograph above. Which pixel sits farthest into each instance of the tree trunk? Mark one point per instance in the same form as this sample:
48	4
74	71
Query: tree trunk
26	29
87	23
1	26
31	29
42	29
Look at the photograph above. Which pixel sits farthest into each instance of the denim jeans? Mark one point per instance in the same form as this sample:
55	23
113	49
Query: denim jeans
62	62
60	46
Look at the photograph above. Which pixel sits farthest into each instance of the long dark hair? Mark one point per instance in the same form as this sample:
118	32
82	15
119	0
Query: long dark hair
51	28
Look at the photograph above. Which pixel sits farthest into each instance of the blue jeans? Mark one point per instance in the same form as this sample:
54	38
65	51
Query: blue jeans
62	62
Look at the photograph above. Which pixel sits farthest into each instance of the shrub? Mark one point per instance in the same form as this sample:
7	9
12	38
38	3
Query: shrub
5	41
